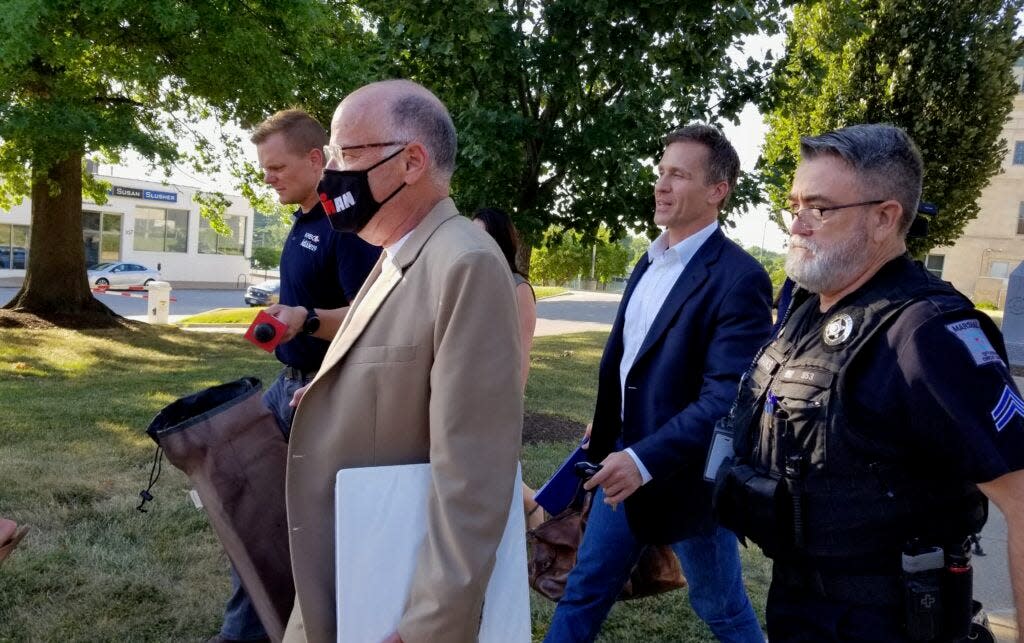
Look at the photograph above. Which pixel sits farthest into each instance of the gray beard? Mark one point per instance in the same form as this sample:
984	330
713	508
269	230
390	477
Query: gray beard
827	270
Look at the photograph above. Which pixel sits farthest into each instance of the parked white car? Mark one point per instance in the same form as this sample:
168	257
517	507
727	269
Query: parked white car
121	274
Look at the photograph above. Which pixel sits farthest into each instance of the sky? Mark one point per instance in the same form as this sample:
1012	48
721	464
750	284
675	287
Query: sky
752	228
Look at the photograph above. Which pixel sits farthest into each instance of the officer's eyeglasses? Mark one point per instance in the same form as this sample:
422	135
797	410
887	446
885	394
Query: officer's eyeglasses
812	218
332	153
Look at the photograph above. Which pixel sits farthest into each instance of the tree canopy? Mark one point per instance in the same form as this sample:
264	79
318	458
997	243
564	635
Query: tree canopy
941	69
565	256
561	104
103	76
774	264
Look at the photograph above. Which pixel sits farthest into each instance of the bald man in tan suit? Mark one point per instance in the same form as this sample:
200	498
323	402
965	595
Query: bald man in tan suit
425	369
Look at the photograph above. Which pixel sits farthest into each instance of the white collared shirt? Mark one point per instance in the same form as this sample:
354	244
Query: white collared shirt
391	251
665	265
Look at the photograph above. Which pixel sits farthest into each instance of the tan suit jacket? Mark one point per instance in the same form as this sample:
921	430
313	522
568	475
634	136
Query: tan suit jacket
425	368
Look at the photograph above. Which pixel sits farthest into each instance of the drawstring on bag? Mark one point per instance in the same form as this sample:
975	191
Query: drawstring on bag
154	475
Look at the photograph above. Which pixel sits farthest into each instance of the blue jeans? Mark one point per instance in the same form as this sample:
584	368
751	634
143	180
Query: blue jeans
606	557
241	622
279	396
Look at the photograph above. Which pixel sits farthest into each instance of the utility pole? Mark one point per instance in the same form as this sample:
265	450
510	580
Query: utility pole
764	231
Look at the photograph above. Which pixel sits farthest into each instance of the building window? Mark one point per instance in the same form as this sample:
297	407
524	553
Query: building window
213	243
934	263
159	230
1018	153
14	246
101	232
999	269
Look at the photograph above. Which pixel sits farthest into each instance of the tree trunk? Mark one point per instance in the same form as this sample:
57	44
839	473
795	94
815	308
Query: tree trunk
523	255
55	285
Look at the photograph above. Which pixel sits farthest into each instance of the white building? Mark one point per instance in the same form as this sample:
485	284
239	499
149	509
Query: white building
145	222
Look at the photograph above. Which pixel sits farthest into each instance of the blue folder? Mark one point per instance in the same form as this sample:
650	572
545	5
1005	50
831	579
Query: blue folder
561	488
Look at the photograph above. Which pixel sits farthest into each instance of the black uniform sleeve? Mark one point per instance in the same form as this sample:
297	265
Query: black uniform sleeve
951	398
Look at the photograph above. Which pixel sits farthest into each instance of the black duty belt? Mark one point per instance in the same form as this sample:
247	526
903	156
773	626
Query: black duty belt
297	375
859	589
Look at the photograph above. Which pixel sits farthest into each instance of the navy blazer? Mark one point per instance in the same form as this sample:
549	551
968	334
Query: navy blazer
683	380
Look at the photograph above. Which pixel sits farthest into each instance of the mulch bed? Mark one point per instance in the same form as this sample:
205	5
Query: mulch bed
541	427
29	321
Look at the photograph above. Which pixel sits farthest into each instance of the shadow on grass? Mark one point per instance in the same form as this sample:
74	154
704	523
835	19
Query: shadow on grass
75	456
108	380
563	375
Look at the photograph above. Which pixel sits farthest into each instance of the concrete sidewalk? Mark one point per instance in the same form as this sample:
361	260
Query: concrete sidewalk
991	573
576	311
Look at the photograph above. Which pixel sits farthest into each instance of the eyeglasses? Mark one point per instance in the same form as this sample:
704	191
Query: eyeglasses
333	152
811	217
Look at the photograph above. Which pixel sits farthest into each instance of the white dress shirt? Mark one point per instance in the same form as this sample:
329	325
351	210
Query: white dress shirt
392	250
666	264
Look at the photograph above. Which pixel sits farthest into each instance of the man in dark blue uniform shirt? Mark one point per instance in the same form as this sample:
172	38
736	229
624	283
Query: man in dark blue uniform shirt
870	431
321	272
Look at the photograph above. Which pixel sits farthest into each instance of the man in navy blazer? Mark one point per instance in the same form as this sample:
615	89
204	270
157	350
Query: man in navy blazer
696	309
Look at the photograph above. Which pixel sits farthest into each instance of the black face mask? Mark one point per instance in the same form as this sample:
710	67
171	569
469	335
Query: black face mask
347	199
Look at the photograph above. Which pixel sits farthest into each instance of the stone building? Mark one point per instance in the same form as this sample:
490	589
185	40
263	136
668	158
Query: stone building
992	245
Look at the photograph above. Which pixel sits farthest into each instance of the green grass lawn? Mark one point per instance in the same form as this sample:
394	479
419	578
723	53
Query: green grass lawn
74	456
223	316
543	292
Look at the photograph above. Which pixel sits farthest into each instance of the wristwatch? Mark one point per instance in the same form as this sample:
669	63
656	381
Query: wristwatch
312	323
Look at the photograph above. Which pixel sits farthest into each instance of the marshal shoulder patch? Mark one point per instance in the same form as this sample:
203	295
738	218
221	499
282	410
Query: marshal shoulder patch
969	332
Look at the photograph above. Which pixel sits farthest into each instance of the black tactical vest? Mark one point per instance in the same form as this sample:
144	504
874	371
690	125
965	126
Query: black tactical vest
806	482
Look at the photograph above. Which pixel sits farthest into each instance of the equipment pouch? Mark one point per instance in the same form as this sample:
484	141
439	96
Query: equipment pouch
922	593
751	505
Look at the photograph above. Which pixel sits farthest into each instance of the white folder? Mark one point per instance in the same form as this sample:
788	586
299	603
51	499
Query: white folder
380	521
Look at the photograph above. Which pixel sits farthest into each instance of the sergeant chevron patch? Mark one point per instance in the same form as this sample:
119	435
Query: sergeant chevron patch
1009	404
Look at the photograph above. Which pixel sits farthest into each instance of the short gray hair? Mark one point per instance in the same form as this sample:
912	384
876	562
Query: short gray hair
424	119
885	156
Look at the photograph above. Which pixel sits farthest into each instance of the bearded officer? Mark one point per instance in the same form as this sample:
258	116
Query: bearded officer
870	431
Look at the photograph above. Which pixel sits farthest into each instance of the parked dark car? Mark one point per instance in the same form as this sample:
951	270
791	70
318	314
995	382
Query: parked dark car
263	294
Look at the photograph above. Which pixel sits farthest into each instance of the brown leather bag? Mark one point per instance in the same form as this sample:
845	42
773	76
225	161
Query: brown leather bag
553	547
